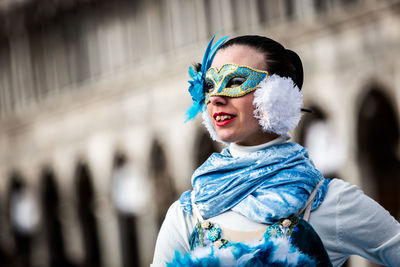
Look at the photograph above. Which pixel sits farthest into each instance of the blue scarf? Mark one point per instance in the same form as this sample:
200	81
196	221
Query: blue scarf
264	186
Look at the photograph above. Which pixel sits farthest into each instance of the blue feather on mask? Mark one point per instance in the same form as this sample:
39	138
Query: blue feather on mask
196	83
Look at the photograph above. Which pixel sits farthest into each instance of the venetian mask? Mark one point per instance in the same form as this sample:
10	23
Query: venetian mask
232	80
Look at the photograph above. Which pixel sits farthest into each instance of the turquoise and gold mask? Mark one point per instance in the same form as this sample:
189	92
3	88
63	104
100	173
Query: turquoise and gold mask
232	80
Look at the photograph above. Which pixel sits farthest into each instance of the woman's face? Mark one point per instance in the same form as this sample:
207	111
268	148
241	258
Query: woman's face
233	118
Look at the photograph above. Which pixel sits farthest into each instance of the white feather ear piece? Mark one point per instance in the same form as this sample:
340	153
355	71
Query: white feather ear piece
278	102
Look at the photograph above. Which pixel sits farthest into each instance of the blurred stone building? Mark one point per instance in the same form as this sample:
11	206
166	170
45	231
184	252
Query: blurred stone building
93	144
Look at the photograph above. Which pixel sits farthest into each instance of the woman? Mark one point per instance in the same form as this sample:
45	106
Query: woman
250	204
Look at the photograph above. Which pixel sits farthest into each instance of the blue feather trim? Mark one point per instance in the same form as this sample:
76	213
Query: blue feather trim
269	252
196	83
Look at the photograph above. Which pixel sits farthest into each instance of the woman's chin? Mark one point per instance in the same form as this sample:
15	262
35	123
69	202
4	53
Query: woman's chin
231	137
227	138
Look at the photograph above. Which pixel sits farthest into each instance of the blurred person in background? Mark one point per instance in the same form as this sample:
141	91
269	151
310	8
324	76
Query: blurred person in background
261	201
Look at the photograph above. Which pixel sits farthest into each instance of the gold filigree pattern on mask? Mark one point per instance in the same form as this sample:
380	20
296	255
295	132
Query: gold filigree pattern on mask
219	79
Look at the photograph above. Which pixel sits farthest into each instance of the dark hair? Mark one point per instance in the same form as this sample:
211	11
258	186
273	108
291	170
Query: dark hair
280	61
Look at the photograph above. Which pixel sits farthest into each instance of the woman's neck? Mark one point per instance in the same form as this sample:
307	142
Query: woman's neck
239	150
258	138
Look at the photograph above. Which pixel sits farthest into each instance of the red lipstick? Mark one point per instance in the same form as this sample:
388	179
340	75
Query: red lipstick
224	122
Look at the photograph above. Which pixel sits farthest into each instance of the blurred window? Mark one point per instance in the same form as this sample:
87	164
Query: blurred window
321	139
290	9
164	186
378	140
262	8
52	226
24	218
205	146
6	92
321	6
86	212
213	16
241	14
131	195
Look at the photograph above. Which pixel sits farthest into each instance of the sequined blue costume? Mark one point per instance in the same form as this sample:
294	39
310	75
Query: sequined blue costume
265	186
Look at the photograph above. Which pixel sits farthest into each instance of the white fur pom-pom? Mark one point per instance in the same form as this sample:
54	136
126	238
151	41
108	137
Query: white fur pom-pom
278	102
